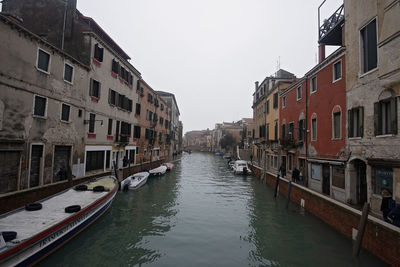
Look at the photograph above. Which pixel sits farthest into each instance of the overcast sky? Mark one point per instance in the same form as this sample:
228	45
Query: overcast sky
209	53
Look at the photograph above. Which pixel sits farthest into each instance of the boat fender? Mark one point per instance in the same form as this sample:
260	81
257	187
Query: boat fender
126	187
9	235
33	206
72	209
81	187
99	188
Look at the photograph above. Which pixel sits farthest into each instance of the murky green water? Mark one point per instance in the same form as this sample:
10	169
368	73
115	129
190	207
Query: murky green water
201	214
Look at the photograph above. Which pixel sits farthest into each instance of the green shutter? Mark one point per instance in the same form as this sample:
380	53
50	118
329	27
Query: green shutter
350	123
377	119
393	111
361	121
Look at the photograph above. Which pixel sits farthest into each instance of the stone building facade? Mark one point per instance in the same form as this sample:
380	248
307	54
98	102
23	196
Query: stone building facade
42	109
373	88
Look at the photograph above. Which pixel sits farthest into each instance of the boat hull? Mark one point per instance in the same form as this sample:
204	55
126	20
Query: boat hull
38	247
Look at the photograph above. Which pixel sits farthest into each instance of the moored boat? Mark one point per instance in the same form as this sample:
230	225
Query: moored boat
158	171
135	181
42	227
169	165
240	167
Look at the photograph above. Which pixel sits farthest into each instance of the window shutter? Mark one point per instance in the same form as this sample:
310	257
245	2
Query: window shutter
350	122
99	90
377	119
109	95
361	121
91	87
393	111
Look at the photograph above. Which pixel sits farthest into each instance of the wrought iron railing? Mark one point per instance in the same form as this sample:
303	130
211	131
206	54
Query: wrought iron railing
331	22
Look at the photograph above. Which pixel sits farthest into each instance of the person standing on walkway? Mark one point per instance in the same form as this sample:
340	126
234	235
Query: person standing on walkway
282	170
387	203
295	175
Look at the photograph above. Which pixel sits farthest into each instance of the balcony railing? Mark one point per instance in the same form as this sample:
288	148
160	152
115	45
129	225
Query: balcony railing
330	31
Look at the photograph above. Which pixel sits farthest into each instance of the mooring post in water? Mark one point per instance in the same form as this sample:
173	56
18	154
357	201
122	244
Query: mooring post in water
288	193
361	230
276	186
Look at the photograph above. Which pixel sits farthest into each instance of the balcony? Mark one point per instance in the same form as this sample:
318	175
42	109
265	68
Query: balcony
288	143
330	32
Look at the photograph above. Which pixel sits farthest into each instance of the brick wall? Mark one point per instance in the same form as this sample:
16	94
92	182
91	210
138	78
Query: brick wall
380	238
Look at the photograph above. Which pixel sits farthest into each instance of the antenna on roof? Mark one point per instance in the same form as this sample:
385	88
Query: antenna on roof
278	64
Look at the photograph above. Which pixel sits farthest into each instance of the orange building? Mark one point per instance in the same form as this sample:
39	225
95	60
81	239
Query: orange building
152	133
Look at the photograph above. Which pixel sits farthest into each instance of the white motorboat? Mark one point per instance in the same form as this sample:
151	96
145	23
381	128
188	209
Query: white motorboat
169	165
134	181
158	171
240	167
29	234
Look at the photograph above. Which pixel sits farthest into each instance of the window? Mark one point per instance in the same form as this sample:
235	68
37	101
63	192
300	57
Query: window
65	110
98	53
161	120
291	130
283	101
149	98
316	171
385	116
313	84
300	131
276	130
136	131
382	178
43	61
112	97
337	71
298	93
314	129
355	119
267	106
368	47
115	66
92	119
40	106
149	115
283	131
94	88
94	160
267	131
110	122
68	73
275	100
338	177
138	108
162	107
336	125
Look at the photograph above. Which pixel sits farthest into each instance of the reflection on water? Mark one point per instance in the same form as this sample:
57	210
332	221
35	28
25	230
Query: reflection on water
201	214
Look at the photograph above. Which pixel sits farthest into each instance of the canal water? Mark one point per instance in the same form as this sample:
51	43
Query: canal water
201	214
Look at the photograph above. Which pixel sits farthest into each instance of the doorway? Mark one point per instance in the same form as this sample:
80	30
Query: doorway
326	181
361	181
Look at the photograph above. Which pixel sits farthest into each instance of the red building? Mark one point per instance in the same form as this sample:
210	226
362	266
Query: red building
312	120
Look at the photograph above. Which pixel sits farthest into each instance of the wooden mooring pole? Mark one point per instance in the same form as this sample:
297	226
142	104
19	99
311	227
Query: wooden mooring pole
361	230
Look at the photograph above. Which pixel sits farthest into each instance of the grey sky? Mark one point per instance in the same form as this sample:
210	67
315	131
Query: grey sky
209	53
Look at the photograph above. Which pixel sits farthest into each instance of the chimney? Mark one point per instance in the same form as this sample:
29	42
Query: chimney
294	78
321	53
256	85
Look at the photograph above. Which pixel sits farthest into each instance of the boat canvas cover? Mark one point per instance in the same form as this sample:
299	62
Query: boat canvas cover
29	223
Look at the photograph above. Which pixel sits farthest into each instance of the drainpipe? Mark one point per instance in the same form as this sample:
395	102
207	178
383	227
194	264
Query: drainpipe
306	134
64	22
